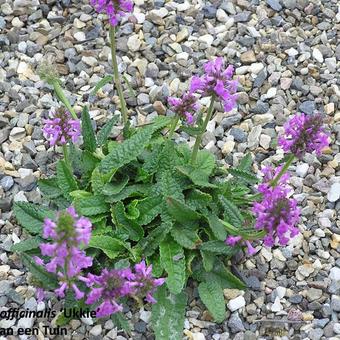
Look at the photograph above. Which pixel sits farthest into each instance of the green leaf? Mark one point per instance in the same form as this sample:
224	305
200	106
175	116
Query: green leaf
219	274
245	163
173	261
244	175
26	245
66	181
31	216
208	260
132	213
200	172
48	280
77	194
105	131
211	295
130	191
186	235
217	227
168	314
101	84
127	151
154	237
49	187
169	185
232	212
92	205
198	200
218	247
87	131
115	187
121	322
149	208
134	230
110	246
181	212
97	181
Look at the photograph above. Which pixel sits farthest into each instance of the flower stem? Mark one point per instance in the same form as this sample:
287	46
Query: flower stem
204	127
118	84
66	157
283	170
61	95
173	126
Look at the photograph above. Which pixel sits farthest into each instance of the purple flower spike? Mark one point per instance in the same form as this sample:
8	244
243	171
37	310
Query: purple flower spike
108	288
61	128
234	240
147	284
67	260
277	214
115	9
185	107
217	81
304	133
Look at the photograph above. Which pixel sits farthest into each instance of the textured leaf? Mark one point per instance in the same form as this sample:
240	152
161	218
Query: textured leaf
186	235
26	245
232	212
119	320
49	187
134	230
66	181
105	131
114	188
31	216
168	314
198	200
219	274
110	246
173	262
92	205
244	175
48	280
208	260
181	212
170	185
101	84
211	295
129	191
77	194
97	181
87	131
149	208
151	242
200	172
218	247
217	227
130	149
245	163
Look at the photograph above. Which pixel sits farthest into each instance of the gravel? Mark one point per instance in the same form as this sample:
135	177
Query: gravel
286	58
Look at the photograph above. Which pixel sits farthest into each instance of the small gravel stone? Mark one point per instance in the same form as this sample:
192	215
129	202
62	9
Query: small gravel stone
236	303
334	192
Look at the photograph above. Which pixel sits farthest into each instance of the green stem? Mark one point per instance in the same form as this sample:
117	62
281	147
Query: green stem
204	127
61	95
66	157
174	123
283	170
118	84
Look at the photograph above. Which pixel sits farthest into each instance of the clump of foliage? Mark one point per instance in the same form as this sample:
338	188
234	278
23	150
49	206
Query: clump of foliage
168	212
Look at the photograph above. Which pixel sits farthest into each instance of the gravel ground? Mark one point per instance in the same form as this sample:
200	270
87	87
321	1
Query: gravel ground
287	58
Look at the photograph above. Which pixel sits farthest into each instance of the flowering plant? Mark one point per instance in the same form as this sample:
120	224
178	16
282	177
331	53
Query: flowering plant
139	218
